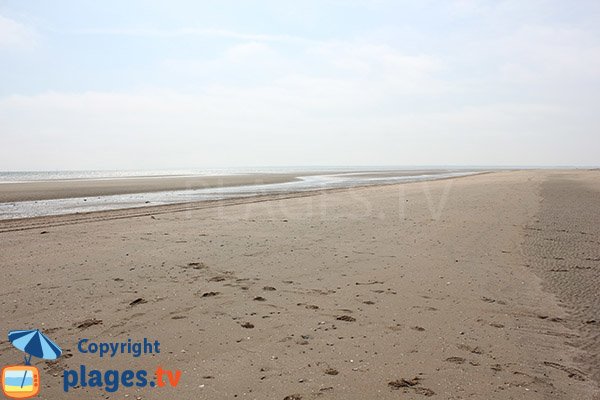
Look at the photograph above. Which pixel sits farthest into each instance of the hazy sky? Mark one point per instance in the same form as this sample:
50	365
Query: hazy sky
149	84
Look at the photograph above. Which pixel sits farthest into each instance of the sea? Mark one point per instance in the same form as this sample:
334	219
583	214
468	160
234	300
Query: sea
309	179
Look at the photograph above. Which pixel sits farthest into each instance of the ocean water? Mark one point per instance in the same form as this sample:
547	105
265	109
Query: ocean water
34	176
339	177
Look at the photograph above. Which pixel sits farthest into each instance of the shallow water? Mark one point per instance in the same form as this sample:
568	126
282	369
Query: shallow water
350	178
36	176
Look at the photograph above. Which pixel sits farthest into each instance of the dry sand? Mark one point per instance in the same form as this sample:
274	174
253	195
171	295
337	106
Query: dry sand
440	290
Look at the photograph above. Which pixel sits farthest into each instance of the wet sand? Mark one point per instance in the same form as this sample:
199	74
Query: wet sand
421	290
70	188
61	189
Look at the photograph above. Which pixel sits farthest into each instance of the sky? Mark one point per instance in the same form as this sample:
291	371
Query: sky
193	84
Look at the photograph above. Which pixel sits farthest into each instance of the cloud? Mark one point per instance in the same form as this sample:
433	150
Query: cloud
15	34
543	53
296	120
490	83
249	50
361	70
191	31
377	64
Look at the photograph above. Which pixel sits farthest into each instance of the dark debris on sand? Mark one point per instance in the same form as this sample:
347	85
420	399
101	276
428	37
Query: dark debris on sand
400	383
412	384
137	301
455	360
89	322
424	391
196	265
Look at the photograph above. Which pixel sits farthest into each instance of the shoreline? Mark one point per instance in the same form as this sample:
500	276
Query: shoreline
16	224
64	189
133	193
54	189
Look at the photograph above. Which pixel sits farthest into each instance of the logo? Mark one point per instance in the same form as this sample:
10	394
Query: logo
23	381
20	381
113	380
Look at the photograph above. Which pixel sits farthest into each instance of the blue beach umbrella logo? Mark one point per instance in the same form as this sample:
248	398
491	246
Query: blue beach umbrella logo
23	381
34	343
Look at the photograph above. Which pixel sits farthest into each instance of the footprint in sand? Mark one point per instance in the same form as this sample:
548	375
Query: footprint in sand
455	360
195	265
496	367
411	384
210	294
465	347
572	372
88	322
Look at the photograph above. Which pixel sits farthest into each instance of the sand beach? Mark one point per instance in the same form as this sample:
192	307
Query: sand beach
469	288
